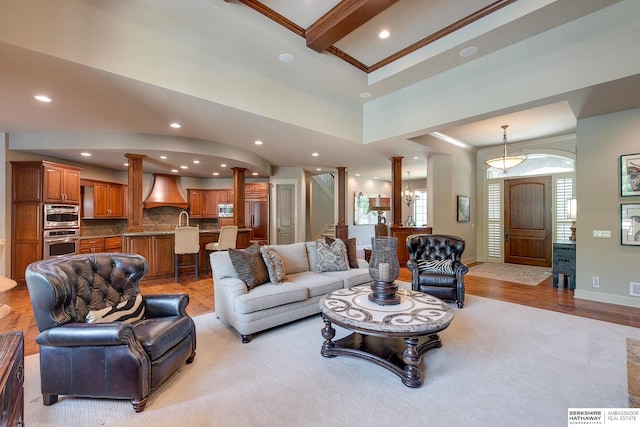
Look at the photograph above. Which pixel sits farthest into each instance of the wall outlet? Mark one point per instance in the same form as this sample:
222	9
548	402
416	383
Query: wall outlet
634	289
596	282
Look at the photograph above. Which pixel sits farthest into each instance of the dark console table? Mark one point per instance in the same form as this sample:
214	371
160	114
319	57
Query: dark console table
12	377
564	262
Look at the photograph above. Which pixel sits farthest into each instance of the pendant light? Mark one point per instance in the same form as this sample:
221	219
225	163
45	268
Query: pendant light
408	195
506	160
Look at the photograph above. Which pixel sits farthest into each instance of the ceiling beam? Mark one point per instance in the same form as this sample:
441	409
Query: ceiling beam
345	17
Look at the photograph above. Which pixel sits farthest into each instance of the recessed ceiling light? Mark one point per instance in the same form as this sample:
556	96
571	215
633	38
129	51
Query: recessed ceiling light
469	51
215	174
415	157
287	57
184	167
126	164
196	161
163	157
384	34
365	95
85	154
174	170
375	177
357	174
42	98
315	154
258	142
223	165
255	174
175	125
318	169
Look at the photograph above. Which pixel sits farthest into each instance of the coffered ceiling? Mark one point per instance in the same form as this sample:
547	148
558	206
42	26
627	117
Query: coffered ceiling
126	67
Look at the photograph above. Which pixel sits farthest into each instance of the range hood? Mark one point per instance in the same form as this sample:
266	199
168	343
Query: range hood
165	192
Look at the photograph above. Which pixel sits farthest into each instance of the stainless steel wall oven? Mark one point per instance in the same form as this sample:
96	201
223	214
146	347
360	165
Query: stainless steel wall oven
61	216
60	242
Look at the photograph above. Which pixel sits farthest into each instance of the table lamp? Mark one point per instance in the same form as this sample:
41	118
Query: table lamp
572	213
380	205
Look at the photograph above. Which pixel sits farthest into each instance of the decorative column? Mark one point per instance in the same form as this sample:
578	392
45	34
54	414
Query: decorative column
238	196
342	229
134	221
396	194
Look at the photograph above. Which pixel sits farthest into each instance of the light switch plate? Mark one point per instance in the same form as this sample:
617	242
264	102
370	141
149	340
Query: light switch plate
602	234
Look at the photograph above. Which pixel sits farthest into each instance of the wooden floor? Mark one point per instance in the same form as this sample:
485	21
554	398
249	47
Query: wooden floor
543	296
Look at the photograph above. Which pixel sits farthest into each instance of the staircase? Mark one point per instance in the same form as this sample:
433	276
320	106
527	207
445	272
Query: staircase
330	231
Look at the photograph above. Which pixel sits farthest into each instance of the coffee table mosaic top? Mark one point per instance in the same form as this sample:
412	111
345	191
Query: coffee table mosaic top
418	313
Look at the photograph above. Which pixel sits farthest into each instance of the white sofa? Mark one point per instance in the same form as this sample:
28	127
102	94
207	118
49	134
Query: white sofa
269	305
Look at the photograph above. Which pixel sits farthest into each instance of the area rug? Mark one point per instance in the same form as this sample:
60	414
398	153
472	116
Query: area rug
501	364
516	273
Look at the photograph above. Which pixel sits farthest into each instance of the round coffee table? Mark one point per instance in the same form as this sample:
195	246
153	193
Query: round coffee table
392	336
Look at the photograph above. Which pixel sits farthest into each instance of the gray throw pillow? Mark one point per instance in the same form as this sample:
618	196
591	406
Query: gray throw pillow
331	257
275	266
249	265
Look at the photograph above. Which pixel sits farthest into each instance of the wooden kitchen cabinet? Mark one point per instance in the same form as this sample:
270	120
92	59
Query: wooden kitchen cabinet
113	244
203	203
61	184
103	200
225	196
91	245
34	184
257	219
157	249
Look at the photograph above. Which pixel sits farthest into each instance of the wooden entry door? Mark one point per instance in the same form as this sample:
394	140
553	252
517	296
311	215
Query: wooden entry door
527	214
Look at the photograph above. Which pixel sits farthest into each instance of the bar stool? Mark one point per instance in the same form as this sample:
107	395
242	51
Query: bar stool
226	240
186	242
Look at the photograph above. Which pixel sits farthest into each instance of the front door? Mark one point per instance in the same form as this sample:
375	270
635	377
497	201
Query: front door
527	220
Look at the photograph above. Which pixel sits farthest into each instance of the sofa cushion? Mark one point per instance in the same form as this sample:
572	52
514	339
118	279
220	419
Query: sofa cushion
331	257
128	311
221	265
435	266
351	277
160	334
352	254
294	257
311	255
317	284
270	295
274	264
249	265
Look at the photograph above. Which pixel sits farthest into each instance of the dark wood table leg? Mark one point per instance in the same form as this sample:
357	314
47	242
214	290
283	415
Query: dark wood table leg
410	356
328	332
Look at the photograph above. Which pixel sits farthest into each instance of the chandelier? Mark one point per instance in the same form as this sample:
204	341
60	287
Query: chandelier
505	160
408	195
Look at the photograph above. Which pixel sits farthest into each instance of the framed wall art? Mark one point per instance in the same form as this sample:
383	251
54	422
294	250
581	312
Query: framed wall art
630	224
464	209
630	175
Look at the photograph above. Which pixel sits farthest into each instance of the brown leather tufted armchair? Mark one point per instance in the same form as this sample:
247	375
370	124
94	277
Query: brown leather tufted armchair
106	360
446	286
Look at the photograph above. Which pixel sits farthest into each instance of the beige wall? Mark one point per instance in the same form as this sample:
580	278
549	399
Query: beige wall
601	141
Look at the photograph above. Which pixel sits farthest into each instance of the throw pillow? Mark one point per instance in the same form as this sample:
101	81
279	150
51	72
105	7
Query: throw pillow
275	266
128	311
352	255
331	257
249	265
435	266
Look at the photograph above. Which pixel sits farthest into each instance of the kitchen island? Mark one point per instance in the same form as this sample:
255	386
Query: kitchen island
157	246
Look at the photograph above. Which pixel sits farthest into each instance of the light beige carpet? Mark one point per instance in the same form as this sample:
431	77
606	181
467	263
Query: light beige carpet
501	364
516	273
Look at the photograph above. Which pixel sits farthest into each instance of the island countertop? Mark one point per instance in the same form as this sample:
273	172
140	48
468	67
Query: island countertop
172	231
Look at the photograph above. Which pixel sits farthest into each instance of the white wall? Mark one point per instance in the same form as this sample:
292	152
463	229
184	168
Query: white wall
601	141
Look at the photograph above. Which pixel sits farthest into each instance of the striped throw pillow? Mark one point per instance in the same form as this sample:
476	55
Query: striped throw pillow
128	311
435	266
